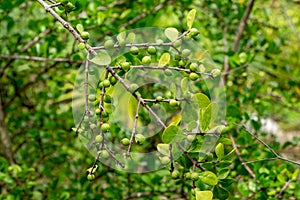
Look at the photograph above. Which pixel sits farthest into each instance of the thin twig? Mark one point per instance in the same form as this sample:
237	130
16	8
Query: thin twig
39	59
240	157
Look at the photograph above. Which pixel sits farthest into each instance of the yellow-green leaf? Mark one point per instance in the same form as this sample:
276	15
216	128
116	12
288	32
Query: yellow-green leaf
220	151
172	34
190	18
163	149
164	60
204	195
169	133
79	27
208	178
102	58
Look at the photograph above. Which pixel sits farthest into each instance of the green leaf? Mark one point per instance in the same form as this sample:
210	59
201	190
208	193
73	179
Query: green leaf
220	193
172	34
207	115
131	37
102	58
202	99
220	151
169	133
295	175
192	125
208	178
230	155
204	195
164	60
243	189
190	18
223	173
163	149
184	84
79	27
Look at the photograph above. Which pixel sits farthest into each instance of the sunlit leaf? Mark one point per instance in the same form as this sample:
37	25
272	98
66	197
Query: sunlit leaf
190	18
204	195
102	58
164	60
171	33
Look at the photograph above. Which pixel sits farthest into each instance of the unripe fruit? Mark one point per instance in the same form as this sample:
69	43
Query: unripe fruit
182	63
109	44
112	80
133	87
90	177
92	97
187	175
106	83
193	76
134	50
165	160
159	98
190	138
193	67
215	72
98	138
185	52
194	32
104	154
173	102
175	174
97	111
125	141
194	176
81	46
105	127
93	126
168	72
139	138
151	50
107	99
177	43
85	35
125	66
146	60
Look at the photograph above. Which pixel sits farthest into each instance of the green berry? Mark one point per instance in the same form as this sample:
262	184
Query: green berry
193	76
165	160
186	52
146	60
181	63
159	98
109	44
92	97
139	138
194	32
81	46
112	80
215	72
125	66
173	102
85	35
90	177
187	175
106	83
104	154
194	176
105	127
193	67
125	141
177	43
190	138
168	72
93	126
151	50
133	87
107	99
98	138
175	174
134	50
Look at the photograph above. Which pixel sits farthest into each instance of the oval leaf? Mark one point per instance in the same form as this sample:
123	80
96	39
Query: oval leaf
163	149
204	195
184	84
190	18
102	58
220	151
202	99
208	178
169	133
172	34
79	27
164	60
